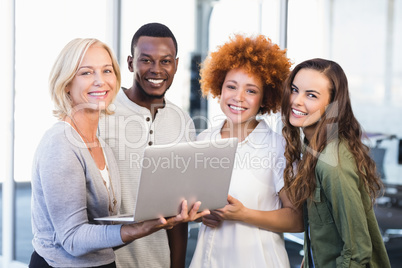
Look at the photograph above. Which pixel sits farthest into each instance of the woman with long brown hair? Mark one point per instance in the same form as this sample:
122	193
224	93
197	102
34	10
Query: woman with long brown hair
329	170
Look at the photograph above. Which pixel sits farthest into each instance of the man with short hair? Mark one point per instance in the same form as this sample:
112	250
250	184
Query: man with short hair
144	117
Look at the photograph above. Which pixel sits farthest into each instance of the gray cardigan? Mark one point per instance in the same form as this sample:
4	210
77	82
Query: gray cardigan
67	194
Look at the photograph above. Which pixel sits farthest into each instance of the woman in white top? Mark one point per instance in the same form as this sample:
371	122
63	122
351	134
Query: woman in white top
246	74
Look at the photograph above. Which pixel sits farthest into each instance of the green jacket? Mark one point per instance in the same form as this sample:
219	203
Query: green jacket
343	228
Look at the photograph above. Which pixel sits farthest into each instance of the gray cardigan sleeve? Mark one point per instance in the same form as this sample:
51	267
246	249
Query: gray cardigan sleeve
68	193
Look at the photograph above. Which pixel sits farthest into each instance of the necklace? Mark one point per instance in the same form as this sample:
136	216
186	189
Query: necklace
111	201
87	143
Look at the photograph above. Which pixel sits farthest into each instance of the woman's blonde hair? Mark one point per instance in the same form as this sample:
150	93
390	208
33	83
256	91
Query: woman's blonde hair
66	67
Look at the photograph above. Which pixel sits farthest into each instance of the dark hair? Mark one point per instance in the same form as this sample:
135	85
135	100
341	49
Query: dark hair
338	123
153	30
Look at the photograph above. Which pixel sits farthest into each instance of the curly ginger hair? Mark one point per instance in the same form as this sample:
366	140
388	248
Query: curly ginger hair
256	55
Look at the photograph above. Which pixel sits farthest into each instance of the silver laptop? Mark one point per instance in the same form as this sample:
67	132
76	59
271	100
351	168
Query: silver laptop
194	171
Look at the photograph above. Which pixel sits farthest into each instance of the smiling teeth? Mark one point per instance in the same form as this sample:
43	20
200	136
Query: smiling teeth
97	93
155	81
298	112
237	108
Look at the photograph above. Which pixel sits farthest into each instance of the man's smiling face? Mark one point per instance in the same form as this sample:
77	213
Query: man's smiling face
154	65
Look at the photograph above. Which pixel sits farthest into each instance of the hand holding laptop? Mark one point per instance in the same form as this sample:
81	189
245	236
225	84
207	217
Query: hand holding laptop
130	232
185	216
231	211
170	174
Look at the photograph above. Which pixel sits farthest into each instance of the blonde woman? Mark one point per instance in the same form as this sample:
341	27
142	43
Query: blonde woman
75	177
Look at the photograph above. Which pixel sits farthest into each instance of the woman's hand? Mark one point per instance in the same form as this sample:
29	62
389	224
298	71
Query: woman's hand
234	210
212	220
285	219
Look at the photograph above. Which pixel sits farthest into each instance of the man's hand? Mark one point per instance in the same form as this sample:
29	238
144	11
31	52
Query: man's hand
130	232
185	216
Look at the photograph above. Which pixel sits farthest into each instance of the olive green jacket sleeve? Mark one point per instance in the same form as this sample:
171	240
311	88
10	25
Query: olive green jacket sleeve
343	228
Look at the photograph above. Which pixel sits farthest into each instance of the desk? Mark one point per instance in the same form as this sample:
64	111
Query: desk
393	173
388	208
378	137
378	154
